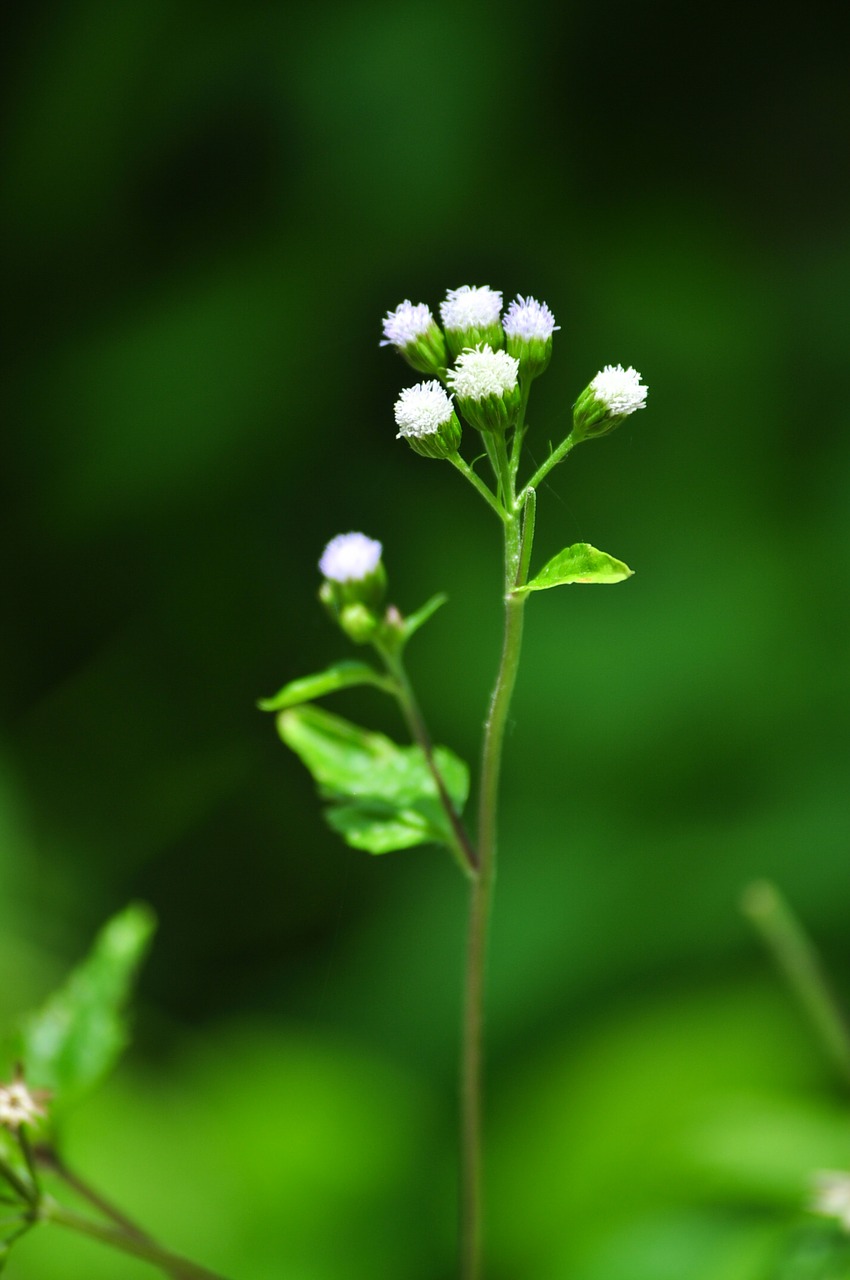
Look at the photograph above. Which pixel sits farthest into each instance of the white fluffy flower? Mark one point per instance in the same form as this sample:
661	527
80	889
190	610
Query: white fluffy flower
18	1106
619	389
408	322
471	307
831	1195
483	372
527	318
350	557
422	410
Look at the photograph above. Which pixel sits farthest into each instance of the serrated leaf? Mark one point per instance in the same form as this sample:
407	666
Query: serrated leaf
343	675
382	796
79	1033
414	621
579	563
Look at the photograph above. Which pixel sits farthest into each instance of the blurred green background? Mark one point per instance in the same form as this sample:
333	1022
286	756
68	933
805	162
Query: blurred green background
208	209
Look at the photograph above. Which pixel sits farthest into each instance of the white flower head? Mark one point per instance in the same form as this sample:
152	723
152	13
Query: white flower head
481	372
471	307
350	557
619	389
831	1195
527	318
406	324
18	1105
422	410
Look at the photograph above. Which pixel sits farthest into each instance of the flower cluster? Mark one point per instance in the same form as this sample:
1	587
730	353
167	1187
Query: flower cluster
495	359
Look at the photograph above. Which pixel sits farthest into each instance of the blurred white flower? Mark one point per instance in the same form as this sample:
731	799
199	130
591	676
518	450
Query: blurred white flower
831	1195
18	1105
350	557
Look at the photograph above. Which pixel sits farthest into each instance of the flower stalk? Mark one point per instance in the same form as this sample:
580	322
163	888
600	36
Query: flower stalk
480	367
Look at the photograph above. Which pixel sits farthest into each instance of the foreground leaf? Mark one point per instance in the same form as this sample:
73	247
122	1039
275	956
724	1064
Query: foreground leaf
579	563
77	1036
382	796
343	675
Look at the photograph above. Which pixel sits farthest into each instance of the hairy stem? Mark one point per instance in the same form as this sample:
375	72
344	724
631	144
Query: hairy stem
517	555
545	467
477	483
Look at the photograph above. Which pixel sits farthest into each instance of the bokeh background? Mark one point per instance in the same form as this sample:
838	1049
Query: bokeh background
208	208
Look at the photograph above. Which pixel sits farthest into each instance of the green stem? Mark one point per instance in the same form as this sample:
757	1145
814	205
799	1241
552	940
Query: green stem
519	429
48	1158
545	467
463	849
171	1264
798	960
517	556
24	1192
477	483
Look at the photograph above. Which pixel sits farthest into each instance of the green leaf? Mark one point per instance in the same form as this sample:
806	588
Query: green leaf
343	675
79	1033
579	563
382	796
414	621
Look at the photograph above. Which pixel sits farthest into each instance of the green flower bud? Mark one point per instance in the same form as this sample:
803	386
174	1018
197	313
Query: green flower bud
358	623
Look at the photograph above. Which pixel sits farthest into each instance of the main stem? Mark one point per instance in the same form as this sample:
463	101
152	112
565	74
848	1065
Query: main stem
516	561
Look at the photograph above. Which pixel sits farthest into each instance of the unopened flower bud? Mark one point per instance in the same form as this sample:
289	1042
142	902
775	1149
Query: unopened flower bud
426	419
528	327
358	623
471	316
613	394
485	383
353	572
415	334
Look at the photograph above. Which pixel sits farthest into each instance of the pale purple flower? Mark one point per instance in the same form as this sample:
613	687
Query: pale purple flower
406	324
350	557
526	318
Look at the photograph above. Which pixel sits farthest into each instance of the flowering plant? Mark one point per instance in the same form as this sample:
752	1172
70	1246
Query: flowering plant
382	796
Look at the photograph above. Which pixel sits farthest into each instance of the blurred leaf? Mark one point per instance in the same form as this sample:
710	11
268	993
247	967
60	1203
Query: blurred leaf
343	675
421	616
78	1035
579	563
381	829
385	795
